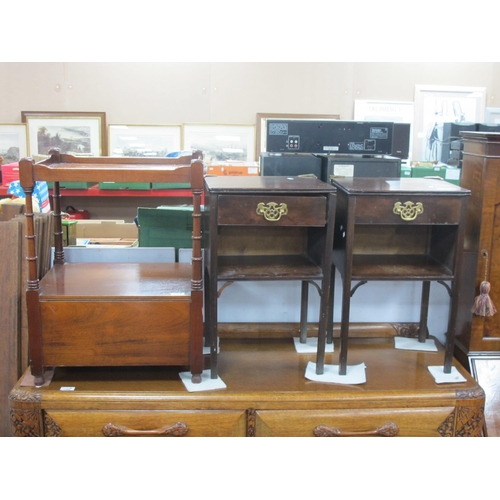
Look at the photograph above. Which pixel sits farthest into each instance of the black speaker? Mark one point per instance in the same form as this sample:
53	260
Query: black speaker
290	164
401	140
451	142
360	166
488	127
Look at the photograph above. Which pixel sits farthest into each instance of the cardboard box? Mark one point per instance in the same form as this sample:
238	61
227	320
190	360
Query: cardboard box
10	172
234	168
90	232
69	232
428	169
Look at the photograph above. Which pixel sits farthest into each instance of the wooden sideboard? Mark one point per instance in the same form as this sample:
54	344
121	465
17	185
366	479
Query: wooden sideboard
266	395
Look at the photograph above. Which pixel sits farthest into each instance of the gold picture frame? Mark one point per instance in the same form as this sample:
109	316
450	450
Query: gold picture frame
80	133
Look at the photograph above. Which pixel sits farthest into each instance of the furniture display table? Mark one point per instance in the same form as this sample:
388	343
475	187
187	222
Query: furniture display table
268	229
266	395
402	230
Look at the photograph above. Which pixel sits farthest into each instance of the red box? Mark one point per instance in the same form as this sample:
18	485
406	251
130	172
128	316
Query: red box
10	172
233	168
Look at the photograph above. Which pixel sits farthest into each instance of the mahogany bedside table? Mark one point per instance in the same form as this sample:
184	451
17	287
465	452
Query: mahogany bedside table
268	229
406	229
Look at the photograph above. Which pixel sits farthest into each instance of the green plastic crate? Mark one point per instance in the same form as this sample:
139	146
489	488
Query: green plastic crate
449	174
72	185
125	185
405	171
170	185
168	226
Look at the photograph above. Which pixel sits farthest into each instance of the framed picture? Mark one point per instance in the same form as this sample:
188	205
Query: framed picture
143	140
78	133
13	144
438	104
261	132
220	142
492	116
380	111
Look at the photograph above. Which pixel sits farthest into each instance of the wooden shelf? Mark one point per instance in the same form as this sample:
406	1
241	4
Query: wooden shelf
398	267
268	267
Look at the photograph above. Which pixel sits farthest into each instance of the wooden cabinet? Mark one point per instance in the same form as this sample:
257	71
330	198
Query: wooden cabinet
481	174
401	230
477	343
268	229
266	395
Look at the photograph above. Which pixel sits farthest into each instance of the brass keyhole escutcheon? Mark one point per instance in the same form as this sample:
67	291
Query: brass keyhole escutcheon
272	211
408	210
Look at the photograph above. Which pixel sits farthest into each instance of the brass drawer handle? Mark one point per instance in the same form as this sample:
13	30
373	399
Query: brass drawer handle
408	210
387	430
113	430
272	211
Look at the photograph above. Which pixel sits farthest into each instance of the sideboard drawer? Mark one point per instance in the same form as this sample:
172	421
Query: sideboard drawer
272	210
432	209
96	423
399	422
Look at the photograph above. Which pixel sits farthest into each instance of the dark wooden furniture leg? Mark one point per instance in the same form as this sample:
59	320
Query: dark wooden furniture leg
424	311
304	299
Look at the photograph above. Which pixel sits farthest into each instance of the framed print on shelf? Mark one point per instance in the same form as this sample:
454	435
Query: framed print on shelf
220	142
79	133
13	144
261	134
143	140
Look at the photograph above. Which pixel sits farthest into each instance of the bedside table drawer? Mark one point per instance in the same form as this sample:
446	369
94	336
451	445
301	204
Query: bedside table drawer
404	209
125	423
265	210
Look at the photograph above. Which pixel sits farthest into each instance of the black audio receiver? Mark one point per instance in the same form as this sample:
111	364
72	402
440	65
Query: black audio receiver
328	137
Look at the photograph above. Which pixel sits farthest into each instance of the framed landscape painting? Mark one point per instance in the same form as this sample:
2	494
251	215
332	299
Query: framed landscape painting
143	140
77	133
13	144
220	142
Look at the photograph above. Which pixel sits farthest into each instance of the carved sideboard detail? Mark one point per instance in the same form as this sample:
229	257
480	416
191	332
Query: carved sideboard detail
50	426
25	423
251	421
23	396
407	330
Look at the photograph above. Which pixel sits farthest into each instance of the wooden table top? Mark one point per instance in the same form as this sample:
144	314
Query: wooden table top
270	370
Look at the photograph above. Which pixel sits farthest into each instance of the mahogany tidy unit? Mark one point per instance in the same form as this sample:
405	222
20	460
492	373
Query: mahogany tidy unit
404	229
266	395
268	229
113	314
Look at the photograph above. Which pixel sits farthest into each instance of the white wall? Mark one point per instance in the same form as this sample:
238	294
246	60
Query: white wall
223	92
